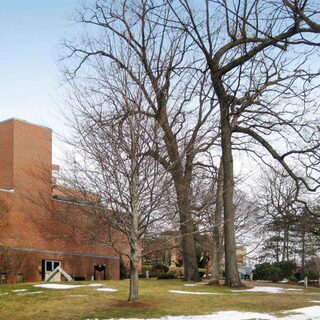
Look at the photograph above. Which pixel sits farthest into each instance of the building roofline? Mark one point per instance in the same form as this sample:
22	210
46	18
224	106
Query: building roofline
25	122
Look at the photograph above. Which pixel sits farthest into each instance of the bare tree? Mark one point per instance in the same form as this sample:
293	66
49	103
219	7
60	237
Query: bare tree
286	225
306	11
263	82
278	209
138	38
207	210
122	186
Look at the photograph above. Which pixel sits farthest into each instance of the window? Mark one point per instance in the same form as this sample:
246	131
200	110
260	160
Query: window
50	265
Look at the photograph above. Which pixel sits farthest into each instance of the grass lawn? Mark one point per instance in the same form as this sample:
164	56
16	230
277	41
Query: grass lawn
155	301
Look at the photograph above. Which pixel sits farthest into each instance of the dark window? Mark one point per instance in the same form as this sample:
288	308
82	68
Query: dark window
56	264
49	266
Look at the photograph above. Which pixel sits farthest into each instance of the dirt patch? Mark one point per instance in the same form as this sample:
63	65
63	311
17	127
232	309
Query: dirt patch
137	304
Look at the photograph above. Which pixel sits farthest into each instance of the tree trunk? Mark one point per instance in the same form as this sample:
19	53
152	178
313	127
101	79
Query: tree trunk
187	230
278	248
134	277
232	275
216	245
303	251
285	249
134	234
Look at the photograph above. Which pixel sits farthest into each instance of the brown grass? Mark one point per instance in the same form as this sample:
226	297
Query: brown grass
155	301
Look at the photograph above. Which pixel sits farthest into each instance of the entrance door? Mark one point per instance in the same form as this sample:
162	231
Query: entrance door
49	266
100	272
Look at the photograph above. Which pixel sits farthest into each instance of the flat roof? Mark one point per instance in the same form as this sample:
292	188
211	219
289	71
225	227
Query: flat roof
26	122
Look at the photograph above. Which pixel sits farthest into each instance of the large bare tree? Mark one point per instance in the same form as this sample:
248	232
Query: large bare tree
261	72
137	37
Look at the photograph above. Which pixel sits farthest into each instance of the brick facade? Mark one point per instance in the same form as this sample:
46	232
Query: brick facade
32	231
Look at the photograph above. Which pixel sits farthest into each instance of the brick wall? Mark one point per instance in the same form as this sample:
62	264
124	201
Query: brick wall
35	227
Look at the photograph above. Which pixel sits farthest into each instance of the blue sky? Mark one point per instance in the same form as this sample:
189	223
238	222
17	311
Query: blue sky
30	32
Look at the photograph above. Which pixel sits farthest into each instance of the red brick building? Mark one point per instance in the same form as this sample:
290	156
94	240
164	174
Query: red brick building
35	237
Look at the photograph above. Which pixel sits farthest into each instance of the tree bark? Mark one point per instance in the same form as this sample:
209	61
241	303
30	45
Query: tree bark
303	251
232	275
187	230
217	236
134	277
285	249
134	236
278	248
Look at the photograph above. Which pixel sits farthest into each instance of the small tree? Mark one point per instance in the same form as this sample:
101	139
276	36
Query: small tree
122	186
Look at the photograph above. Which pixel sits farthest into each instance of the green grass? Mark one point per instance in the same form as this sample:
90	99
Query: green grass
155	301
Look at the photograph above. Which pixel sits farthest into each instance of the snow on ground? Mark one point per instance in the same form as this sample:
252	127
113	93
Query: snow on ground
29	293
19	290
190	292
195	284
191	285
107	289
267	290
293	289
66	286
308	313
4	293
58	286
77	295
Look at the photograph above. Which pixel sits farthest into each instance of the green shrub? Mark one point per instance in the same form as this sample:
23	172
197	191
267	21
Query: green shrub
275	273
286	268
312	276
292	279
298	276
262	271
168	275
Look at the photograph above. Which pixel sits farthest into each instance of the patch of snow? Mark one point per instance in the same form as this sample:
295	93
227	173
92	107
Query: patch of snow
195	284
284	281
107	289
58	286
95	285
19	290
4	294
66	286
315	301
267	290
292	289
26	293
190	292
309	313
191	285
77	295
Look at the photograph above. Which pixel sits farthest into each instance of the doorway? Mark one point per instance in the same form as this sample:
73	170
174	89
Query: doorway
47	267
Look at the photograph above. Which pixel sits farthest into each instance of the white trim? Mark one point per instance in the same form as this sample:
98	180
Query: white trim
7	190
